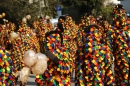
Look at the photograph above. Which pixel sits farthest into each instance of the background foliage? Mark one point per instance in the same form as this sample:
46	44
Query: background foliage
17	9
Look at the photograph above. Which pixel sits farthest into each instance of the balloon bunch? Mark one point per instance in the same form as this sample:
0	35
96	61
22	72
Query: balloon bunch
2	15
24	20
35	62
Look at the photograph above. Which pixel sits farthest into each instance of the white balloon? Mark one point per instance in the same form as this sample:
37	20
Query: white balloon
41	56
4	20
47	17
24	74
28	17
41	65
30	58
0	16
3	14
24	20
13	36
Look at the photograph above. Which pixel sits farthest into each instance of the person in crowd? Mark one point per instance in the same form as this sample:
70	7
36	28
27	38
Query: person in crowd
7	73
120	46
59	67
94	57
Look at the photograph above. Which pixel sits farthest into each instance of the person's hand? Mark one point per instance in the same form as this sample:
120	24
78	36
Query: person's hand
52	57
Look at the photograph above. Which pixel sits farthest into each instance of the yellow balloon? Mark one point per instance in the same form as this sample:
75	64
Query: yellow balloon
0	16
3	14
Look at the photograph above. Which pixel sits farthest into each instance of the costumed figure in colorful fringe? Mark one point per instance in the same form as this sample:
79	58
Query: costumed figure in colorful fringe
69	39
59	68
26	39
7	75
85	21
30	59
41	27
128	41
79	79
107	36
121	47
6	28
128	29
49	24
97	58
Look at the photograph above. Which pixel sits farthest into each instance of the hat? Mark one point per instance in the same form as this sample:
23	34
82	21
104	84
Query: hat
62	18
120	6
